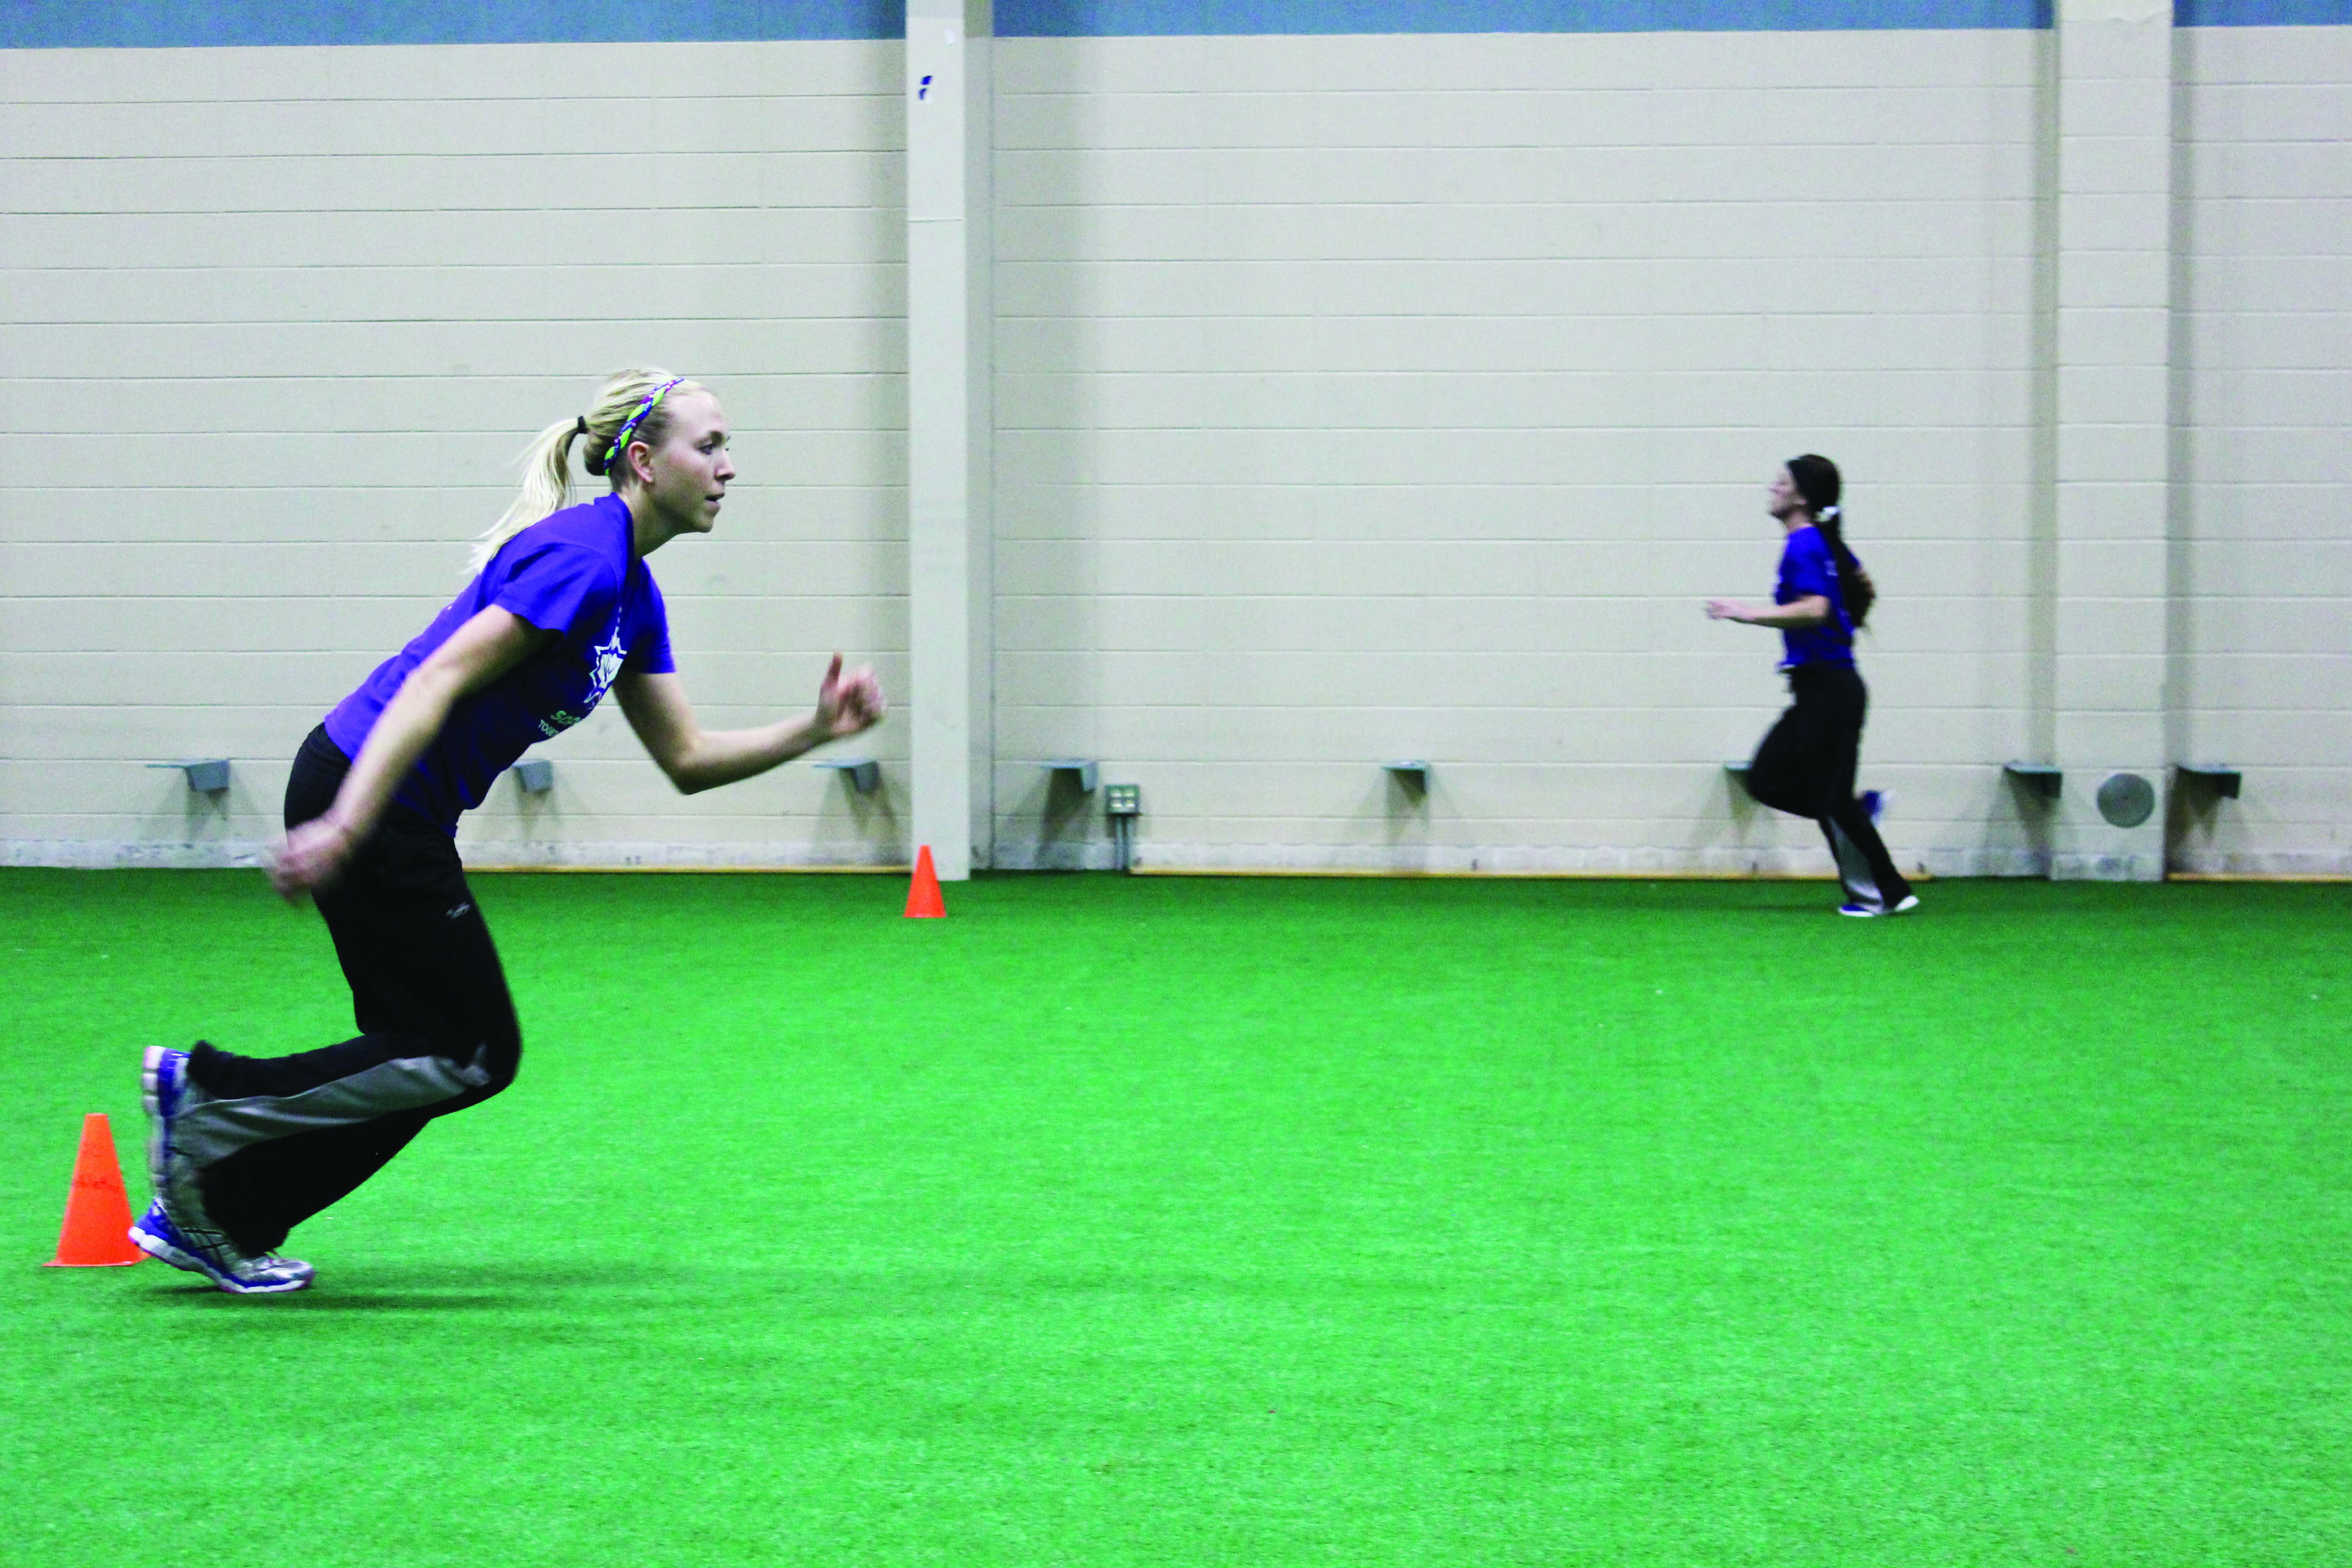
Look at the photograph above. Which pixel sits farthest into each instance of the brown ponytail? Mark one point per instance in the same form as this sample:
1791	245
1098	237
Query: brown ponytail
1855	586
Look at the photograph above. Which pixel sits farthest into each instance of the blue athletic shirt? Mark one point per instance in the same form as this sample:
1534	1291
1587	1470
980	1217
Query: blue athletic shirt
576	574
1809	566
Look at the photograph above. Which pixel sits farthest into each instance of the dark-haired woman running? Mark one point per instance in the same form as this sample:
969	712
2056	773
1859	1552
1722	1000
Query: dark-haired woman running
561	610
1806	765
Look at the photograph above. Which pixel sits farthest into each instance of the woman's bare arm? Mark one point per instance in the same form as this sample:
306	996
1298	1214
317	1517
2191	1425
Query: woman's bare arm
477	653
1812	610
697	759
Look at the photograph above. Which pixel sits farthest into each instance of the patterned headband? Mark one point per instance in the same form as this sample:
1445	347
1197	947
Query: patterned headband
629	425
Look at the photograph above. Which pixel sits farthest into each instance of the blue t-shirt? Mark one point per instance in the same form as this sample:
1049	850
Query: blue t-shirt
1809	566
576	574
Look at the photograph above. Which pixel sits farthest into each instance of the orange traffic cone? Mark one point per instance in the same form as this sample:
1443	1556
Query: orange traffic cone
97	1232
923	900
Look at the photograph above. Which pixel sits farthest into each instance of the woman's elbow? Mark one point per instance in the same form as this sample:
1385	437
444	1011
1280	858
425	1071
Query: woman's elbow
686	777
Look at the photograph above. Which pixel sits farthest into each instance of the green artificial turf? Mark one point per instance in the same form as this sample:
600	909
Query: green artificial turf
1254	1222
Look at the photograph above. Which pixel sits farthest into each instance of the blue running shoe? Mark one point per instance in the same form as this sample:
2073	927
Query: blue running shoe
210	1254
1901	906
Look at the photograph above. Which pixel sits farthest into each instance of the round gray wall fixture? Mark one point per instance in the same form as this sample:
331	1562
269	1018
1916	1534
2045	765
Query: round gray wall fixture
2126	799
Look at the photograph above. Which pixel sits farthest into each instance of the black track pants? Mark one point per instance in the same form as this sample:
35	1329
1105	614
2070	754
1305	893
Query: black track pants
274	1139
1806	766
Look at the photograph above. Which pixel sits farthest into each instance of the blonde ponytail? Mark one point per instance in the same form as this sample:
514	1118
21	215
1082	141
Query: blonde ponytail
547	461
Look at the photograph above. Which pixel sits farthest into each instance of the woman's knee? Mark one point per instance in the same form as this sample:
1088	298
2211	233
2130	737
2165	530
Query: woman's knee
488	1056
503	1056
1781	790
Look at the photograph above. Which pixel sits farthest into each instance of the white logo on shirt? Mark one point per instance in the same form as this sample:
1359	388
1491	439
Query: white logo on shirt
608	657
608	654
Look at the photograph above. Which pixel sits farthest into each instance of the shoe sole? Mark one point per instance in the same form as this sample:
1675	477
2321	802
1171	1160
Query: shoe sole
162	1251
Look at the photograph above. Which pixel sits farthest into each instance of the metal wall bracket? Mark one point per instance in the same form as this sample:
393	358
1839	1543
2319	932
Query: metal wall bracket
2220	777
1079	768
537	776
1412	773
863	774
208	775
2043	779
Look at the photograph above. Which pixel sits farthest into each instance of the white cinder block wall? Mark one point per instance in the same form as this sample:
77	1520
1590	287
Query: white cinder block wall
279	322
1366	398
2263	493
1358	397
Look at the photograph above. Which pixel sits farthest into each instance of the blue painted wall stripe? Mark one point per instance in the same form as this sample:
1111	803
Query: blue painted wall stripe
2261	13
181	23
1098	18
185	24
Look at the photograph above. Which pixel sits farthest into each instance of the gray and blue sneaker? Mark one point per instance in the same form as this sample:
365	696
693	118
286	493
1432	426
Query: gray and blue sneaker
1901	906
175	1228
211	1254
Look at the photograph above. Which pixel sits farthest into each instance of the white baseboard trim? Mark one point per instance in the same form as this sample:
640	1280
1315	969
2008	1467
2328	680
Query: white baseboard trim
2285	866
1501	860
497	855
1504	860
83	855
488	855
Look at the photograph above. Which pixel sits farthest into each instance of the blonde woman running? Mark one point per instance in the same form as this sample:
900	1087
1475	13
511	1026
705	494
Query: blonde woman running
561	609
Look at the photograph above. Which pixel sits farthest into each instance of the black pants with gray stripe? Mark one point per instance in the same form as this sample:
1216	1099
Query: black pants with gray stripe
1806	766
283	1137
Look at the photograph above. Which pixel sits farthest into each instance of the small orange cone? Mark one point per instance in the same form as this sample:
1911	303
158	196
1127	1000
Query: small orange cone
97	1232
923	900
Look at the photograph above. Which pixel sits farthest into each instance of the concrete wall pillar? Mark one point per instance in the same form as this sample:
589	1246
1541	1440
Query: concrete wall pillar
2114	235
949	317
